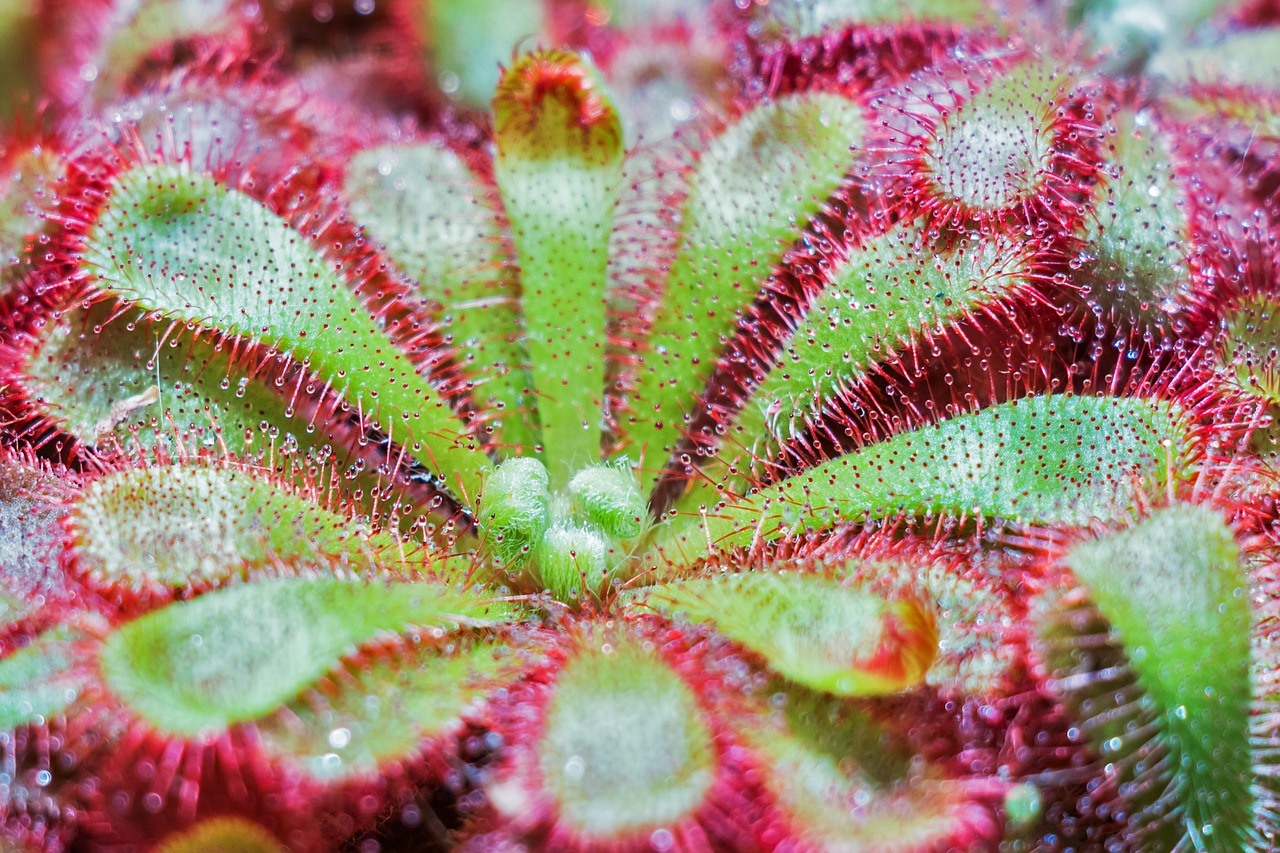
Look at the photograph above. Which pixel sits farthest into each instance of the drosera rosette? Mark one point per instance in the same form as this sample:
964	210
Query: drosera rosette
330	403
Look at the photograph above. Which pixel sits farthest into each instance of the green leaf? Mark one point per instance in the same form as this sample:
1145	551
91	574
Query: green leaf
797	19
180	525
97	380
40	681
753	188
1246	58
1250	345
844	784
624	747
884	297
183	245
1046	460
813	630
993	151
1175	593
383	709
1129	31
559	168
437	223
237	654
1138	236
26	177
31	508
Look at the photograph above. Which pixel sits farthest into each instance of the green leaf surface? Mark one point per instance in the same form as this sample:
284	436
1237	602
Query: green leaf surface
122	379
183	245
238	654
993	151
886	296
384	710
437	223
797	19
624	747
1136	240
26	177
1246	58
812	630
1056	459
846	786
754	186
559	169
40	681
181	525
135	29
31	510
1175	593
1250	345
1127	32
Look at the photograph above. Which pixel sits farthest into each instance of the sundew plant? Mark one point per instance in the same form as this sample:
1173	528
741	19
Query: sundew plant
820	426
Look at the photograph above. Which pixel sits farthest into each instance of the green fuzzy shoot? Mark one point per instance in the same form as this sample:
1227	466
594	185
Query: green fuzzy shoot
516	510
609	497
573	543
